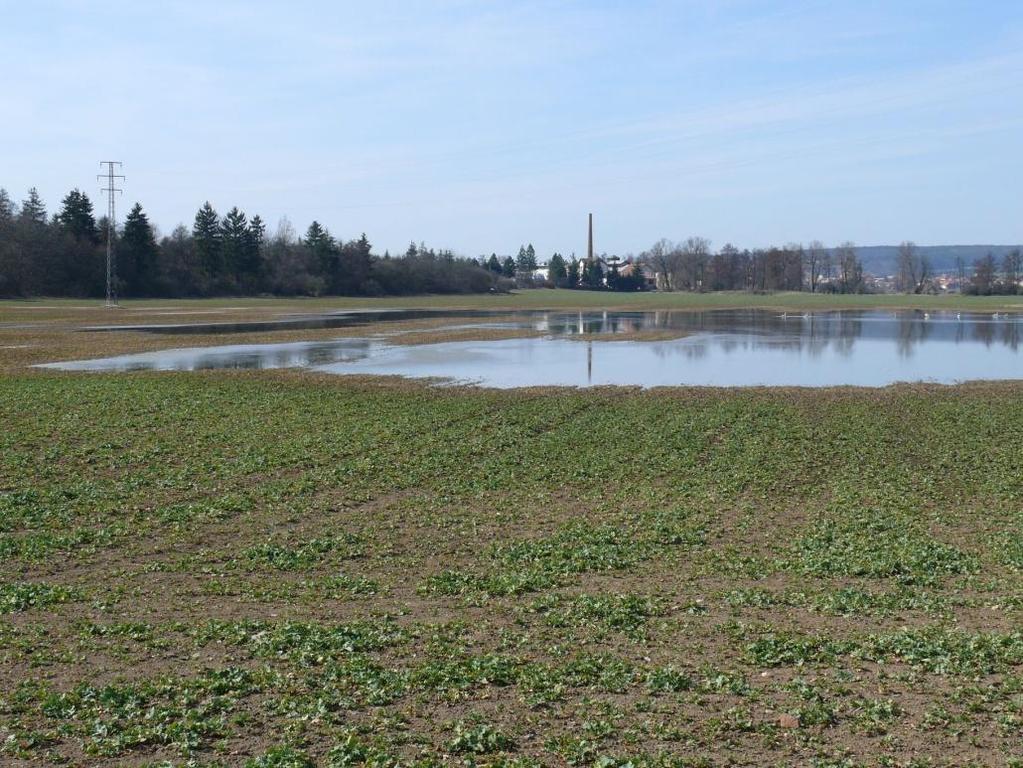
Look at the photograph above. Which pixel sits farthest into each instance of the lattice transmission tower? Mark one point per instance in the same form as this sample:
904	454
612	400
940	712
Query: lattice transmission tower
111	189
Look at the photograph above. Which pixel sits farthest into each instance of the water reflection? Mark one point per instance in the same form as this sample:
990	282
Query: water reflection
300	354
720	348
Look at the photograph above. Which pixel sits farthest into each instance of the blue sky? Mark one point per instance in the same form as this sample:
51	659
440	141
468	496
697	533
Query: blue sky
482	125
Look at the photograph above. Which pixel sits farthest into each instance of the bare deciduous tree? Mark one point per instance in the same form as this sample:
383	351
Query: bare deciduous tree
850	270
914	268
814	257
1011	264
695	255
664	258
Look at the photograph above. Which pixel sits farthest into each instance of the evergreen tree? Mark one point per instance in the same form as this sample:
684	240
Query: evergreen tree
206	235
522	261
33	211
6	208
614	280
235	239
556	271
76	217
39	268
11	277
323	253
493	264
252	257
257	233
573	276
355	262
530	258
508	267
593	275
74	259
138	255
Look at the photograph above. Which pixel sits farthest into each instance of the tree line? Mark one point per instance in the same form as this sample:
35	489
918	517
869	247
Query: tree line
692	266
990	278
64	255
232	254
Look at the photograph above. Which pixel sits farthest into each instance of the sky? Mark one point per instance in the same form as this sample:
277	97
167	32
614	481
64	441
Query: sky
479	126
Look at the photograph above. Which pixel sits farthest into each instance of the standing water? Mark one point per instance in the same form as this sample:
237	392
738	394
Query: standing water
713	348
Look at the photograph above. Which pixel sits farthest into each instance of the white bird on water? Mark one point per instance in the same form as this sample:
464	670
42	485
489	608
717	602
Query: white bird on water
927	315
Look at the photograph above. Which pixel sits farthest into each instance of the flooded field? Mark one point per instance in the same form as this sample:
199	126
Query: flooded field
715	348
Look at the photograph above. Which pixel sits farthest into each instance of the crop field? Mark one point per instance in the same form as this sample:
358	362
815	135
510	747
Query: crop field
283	569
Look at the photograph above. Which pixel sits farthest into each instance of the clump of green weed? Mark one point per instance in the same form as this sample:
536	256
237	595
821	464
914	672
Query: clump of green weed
353	751
304	642
877	544
777	649
274	555
183	713
281	757
22	596
479	740
668	679
874	717
948	651
538	564
623	613
454	676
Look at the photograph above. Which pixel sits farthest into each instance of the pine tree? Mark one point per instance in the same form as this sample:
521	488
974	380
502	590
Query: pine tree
363	246
11	271
508	267
235	241
593	275
493	264
257	233
76	217
138	254
33	210
530	258
522	261
6	208
252	265
556	272
316	237
324	255
613	278
573	277
354	265
206	234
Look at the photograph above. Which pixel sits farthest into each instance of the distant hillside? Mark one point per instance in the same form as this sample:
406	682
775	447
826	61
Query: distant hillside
882	259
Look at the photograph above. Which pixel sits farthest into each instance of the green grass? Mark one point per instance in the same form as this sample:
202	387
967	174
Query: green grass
543	298
278	569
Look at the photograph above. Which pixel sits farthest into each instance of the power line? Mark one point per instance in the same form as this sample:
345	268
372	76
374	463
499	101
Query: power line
110	189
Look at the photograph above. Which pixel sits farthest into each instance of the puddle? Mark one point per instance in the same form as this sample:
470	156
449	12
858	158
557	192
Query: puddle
718	348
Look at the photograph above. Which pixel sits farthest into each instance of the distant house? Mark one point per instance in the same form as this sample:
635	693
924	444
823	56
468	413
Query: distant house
649	276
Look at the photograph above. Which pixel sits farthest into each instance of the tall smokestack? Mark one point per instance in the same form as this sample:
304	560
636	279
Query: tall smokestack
589	243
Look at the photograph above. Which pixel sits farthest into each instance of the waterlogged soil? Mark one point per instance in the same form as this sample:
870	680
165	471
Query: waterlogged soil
291	569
